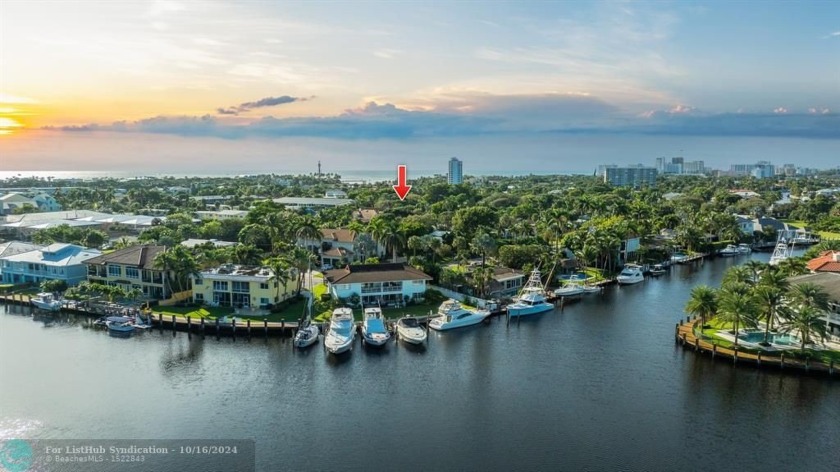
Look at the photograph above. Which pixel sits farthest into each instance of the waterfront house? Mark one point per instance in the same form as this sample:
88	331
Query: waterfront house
829	282
39	201
54	262
131	267
338	247
746	224
364	215
388	284
506	282
828	261
241	287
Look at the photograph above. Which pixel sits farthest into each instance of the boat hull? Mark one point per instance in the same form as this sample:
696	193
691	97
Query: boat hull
46	306
374	340
629	280
305	340
336	348
412	337
443	326
531	310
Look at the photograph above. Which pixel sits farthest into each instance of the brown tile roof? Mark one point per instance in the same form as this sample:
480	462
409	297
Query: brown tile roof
340	235
505	273
142	257
826	262
374	273
336	252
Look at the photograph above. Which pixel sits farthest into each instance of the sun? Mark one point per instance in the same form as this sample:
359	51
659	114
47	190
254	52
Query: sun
8	125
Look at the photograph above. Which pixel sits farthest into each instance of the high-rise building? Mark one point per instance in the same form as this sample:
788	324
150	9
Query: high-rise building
631	176
694	167
456	171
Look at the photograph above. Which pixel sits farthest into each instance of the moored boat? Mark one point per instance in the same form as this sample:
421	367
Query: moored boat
729	251
119	325
306	335
452	315
744	248
531	300
410	331
374	331
341	332
46	301
658	270
630	274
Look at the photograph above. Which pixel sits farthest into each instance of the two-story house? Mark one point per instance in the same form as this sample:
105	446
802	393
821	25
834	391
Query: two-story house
387	284
131	267
241	287
506	282
339	246
54	262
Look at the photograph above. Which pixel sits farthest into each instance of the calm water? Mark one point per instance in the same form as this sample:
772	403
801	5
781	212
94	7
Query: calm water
600	386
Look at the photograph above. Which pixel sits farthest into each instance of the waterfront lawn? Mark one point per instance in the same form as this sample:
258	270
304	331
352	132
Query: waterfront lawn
319	290
823	234
193	312
716	325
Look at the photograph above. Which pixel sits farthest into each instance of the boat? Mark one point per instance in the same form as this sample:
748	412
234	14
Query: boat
306	335
451	315
46	301
141	323
410	331
744	248
631	274
679	258
374	332
780	253
341	332
729	251
119	324
571	289
658	270
531	299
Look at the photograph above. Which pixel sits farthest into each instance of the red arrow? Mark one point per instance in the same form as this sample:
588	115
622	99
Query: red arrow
402	188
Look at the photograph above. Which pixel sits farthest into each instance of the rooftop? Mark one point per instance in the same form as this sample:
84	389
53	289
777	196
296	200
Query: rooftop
340	235
828	261
374	273
828	281
136	256
239	271
304	201
56	255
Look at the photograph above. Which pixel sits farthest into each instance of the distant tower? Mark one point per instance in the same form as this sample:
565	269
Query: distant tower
319	169
456	171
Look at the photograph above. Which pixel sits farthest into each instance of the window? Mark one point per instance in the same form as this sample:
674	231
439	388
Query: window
199	297
264	301
198	281
241	287
264	286
132	272
114	271
220	286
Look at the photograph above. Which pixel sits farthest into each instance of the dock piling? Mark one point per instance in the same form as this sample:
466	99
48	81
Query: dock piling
189	327
233	327
202	327
173	326
217	329
265	328
249	329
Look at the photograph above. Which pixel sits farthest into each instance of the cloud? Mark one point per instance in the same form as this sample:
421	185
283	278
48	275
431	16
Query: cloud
472	114
261	103
835	34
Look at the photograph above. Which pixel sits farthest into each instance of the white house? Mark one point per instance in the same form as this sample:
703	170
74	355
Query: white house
387	284
221	214
54	262
338	246
335	193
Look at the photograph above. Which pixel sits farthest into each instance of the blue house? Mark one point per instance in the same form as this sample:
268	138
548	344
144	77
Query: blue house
54	262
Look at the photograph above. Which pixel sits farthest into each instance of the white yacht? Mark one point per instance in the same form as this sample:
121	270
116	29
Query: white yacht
729	251
744	248
374	332
410	331
342	331
452	315
531	300
46	301
631	274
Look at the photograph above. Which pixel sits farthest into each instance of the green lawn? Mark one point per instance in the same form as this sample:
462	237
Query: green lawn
390	313
823	234
290	312
715	325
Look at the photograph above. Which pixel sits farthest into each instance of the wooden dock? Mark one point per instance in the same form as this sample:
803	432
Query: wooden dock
685	336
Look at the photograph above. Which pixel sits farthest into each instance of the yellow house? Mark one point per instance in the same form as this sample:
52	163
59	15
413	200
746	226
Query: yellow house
241	287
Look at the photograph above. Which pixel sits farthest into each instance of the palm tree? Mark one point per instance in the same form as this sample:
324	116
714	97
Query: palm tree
769	299
738	275
756	267
810	295
703	303
307	231
280	273
807	321
793	266
301	260
483	243
737	306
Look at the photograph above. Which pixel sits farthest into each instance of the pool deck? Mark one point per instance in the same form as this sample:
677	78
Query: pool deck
685	337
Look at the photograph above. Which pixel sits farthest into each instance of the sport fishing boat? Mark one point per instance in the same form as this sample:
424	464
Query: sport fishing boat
729	251
45	301
531	300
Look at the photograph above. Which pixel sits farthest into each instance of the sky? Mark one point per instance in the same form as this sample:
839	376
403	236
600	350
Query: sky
87	85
